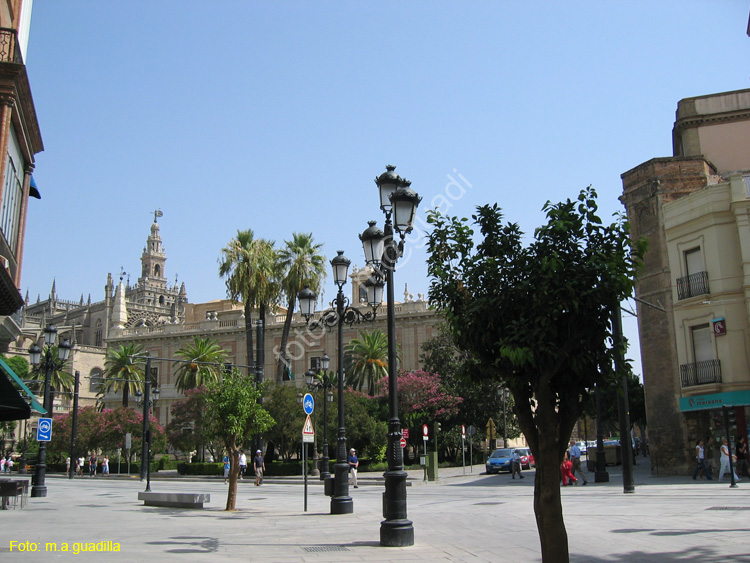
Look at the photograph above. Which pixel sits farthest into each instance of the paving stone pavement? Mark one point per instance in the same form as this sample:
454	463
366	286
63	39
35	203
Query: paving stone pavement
462	517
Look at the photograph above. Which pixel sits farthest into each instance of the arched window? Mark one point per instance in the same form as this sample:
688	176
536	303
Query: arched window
99	333
157	271
96	378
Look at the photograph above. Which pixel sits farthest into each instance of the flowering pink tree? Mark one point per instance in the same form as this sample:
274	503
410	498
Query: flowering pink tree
422	399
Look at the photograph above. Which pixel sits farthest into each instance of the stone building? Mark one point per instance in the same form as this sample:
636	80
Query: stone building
161	319
20	141
694	209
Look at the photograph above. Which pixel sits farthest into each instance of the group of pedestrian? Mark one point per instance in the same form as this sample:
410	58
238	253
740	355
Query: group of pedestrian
6	464
259	466
571	465
706	455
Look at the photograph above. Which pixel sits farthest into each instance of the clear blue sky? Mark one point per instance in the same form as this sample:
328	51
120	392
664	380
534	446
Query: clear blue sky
277	116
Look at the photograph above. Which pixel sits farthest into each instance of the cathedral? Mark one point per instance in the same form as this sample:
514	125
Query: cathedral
159	317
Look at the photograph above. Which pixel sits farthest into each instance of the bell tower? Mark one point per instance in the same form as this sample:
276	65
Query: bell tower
153	258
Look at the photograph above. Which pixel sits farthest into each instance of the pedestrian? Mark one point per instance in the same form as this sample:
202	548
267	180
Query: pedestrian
67	466
92	465
79	465
566	471
516	465
105	466
227	466
575	459
700	461
743	467
259	466
712	456
2	464
353	467
243	464
9	465
725	461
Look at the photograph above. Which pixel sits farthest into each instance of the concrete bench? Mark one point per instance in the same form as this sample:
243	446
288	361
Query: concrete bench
174	500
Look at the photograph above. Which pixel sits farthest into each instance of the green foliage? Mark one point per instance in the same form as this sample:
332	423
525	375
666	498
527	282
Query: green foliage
289	416
124	369
367	360
536	318
204	362
187	430
19	365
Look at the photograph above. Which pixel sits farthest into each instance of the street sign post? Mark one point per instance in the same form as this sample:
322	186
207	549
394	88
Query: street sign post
308	432
463	446
403	442
308	403
44	430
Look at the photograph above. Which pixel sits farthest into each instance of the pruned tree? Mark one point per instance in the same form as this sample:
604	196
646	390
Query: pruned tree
539	316
233	414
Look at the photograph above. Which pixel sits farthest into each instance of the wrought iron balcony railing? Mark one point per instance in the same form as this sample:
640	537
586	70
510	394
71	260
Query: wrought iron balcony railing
10	52
692	285
700	373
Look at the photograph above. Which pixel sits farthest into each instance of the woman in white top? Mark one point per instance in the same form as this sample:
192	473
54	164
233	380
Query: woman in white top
725	460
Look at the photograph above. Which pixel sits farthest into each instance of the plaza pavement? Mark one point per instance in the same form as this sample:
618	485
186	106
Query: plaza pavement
462	517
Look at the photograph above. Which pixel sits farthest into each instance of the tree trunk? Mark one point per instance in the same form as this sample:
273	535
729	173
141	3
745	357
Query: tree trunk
281	365
250	352
125	390
234	472
547	502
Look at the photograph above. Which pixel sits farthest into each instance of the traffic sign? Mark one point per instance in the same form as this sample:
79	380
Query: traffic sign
308	432
425	431
308	403
406	433
463	431
44	430
403	442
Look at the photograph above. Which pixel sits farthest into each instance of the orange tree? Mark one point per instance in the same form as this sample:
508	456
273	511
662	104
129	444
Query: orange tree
233	415
538	317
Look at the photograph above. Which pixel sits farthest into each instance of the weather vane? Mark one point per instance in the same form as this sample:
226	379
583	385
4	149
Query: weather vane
123	273
157	213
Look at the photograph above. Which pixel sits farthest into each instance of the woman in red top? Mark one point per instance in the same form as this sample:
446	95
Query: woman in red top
566	470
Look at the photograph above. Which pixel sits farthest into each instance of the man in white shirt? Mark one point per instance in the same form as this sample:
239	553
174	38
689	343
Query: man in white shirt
243	464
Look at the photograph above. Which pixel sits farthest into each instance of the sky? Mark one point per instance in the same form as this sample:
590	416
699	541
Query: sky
277	116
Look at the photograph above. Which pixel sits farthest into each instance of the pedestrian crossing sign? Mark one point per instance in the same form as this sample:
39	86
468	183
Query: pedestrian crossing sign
308	433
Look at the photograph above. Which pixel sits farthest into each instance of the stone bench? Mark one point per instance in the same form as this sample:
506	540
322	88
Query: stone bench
174	500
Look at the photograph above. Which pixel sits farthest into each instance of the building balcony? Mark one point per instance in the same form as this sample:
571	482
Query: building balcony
692	285
700	373
9	49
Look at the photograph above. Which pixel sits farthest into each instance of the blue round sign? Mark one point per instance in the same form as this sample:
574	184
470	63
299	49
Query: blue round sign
308	403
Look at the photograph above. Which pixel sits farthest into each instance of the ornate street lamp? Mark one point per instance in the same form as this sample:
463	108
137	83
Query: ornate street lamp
399	203
49	365
147	402
341	502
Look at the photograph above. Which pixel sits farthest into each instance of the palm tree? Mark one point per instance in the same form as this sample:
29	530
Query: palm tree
249	266
204	360
124	370
367	360
300	264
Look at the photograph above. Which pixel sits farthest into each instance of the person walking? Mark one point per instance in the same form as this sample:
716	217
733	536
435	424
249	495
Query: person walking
700	461
105	466
227	465
92	465
725	461
566	471
575	458
80	464
353	467
9	465
259	466
243	464
743	468
516	465
67	466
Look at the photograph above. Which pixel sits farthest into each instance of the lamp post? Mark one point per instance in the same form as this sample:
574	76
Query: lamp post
74	426
505	395
49	365
399	204
145	399
341	502
321	380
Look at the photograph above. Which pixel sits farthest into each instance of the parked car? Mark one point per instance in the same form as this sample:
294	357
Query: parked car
582	446
527	459
500	460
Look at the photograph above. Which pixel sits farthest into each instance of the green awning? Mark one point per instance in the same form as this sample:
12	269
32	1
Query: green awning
13	396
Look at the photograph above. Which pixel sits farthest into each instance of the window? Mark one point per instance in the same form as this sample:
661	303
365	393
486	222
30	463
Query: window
99	333
693	261
10	213
702	347
695	282
96	378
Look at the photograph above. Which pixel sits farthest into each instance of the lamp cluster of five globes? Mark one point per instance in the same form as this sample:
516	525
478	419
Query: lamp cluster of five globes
399	204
